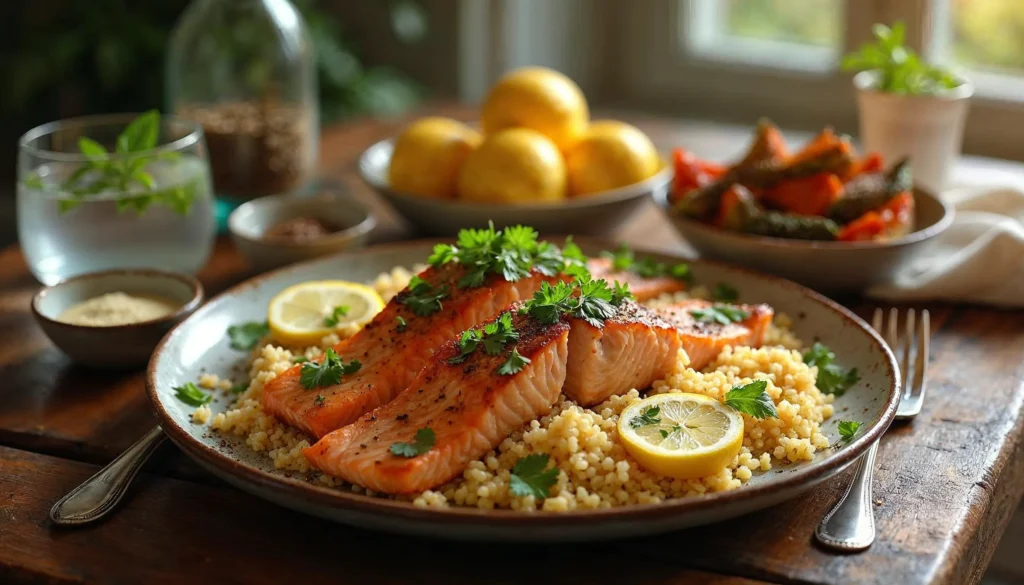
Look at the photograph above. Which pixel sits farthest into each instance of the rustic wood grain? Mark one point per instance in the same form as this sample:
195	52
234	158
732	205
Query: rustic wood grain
946	484
179	532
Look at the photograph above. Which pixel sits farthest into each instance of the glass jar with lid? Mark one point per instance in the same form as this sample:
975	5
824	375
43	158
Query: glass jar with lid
246	71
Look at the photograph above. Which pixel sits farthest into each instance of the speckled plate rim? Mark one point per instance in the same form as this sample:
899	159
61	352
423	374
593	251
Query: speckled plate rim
651	184
288	487
948	214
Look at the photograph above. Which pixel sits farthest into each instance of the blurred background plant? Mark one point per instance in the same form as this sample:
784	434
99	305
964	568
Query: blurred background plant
63	58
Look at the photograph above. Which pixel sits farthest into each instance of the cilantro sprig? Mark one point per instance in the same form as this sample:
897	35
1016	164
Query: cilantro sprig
245	336
125	172
900	70
530	477
832	378
423	298
514	364
595	302
624	259
650	416
423	442
492	337
335	317
720	313
328	372
752	399
511	253
191	395
848	429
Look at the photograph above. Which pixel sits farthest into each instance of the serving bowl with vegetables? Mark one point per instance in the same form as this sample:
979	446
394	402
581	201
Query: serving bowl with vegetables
823	215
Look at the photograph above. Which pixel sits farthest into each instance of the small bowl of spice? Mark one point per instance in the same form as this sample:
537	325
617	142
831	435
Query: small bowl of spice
114	319
283	229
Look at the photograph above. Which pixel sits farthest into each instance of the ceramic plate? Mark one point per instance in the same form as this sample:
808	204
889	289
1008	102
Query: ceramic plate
200	345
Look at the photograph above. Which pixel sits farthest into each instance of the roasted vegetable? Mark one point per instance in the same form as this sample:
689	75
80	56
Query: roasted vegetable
768	146
871	191
866	227
805	196
785	225
703	202
738	205
692	172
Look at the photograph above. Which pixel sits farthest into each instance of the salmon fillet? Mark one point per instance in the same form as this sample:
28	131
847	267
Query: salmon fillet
642	288
390	359
631	350
469	407
704	341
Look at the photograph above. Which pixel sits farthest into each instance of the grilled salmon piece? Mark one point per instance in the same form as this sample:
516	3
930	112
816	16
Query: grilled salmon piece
469	407
704	341
391	358
642	288
631	350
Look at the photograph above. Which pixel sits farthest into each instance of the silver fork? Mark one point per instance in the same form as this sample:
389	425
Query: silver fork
850	525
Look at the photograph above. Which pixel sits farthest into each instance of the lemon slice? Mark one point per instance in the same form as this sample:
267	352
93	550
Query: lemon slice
302	314
681	435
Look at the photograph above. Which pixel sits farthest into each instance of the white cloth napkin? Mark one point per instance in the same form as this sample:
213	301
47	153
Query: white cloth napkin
980	258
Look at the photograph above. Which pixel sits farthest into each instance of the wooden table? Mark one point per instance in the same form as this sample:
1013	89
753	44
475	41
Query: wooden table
945	485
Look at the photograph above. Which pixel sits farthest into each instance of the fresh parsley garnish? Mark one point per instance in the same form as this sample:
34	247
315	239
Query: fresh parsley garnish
328	372
319	400
239	387
848	429
125	172
191	395
423	442
595	303
513	364
245	336
752	399
510	253
335	317
300	359
493	336
624	259
400	324
572	253
424	299
720	313
725	293
530	478
832	378
650	416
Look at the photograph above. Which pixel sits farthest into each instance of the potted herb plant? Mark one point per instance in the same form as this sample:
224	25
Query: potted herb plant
907	107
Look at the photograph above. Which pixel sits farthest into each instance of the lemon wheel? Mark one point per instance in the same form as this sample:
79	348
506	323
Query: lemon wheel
681	435
304	313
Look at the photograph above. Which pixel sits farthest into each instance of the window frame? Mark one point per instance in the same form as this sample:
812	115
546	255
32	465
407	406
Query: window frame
797	96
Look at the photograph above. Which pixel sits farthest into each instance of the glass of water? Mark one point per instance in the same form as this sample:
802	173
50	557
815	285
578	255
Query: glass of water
117	191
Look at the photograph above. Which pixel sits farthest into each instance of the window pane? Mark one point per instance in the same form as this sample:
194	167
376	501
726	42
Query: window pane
988	35
809	22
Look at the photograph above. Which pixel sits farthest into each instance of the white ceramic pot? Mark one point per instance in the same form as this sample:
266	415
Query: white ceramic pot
927	128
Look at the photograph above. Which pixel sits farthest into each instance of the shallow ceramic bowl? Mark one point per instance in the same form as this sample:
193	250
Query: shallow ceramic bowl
597	214
118	346
831	267
253	219
200	345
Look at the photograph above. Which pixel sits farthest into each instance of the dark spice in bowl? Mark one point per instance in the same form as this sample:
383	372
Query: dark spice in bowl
298	229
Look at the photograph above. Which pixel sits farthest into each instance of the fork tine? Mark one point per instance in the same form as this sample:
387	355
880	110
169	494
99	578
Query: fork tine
876	321
921	366
892	333
908	345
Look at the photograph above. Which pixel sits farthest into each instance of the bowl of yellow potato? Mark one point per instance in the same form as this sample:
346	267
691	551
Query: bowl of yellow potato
535	159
